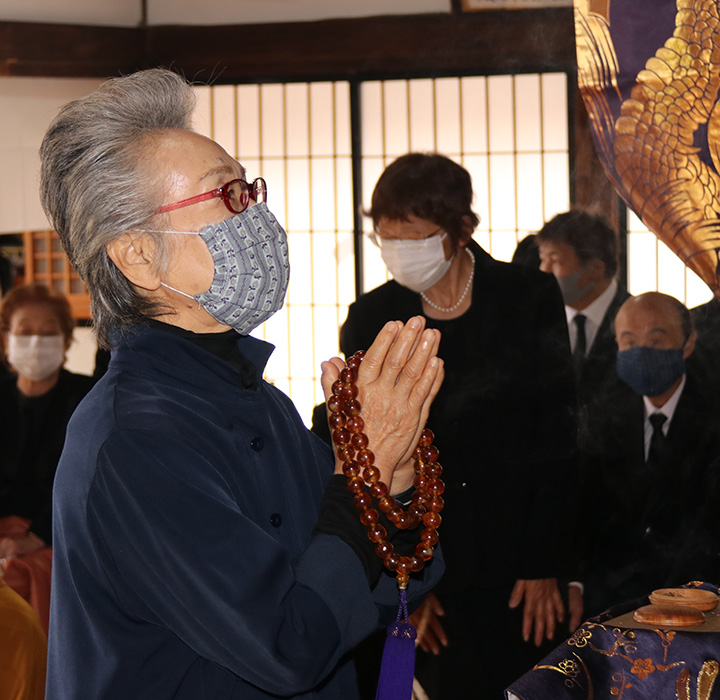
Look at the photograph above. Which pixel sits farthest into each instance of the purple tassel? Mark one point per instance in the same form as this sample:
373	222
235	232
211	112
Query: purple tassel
398	661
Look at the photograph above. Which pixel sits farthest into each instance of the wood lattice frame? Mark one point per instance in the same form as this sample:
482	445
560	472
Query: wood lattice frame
46	263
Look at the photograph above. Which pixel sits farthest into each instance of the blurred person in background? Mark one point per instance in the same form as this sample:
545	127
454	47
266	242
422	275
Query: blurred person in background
36	402
650	488
580	250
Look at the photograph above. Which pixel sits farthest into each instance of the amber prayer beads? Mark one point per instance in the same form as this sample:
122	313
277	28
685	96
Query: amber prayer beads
364	483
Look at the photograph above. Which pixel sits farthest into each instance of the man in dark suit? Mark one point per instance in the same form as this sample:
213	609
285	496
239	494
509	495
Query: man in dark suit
650	486
581	251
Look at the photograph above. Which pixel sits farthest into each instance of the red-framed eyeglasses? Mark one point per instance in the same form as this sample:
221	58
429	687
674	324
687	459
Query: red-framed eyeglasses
236	196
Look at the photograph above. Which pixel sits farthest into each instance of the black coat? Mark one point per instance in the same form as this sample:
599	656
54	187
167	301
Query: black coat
504	419
646	530
598	376
599	366
32	435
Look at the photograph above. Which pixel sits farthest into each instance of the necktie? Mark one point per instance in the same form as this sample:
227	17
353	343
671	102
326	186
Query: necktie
657	441
580	342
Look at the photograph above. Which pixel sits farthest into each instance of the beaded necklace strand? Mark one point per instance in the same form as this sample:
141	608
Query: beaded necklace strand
358	466
395	681
449	309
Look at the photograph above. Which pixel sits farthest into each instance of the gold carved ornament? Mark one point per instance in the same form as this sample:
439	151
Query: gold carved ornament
649	151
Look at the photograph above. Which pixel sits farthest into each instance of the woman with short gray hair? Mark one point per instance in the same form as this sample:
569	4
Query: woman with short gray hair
95	183
205	543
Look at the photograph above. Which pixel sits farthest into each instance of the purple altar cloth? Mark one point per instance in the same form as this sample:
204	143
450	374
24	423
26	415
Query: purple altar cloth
603	661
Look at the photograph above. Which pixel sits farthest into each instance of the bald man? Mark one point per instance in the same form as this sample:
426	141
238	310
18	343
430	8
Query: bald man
650	484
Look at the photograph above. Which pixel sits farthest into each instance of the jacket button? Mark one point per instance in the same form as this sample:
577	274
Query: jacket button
276	520
257	444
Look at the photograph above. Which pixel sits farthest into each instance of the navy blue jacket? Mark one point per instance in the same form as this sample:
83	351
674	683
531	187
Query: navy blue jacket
185	564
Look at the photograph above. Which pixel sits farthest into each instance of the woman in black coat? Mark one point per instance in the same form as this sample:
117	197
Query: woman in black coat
36	401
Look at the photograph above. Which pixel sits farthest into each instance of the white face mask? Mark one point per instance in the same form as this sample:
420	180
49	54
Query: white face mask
36	357
415	264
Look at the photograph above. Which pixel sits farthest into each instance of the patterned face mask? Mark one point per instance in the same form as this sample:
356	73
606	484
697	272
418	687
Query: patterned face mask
252	270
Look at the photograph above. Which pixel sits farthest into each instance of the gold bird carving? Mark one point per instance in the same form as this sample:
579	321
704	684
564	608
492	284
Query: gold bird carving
649	152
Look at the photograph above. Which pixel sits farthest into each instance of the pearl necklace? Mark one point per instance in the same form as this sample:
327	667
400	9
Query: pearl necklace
449	309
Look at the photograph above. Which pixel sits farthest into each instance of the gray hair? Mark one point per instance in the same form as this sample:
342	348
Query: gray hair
95	183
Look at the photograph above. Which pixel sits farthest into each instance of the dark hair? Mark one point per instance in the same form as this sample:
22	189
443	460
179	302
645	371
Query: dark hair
527	253
588	235
35	294
429	186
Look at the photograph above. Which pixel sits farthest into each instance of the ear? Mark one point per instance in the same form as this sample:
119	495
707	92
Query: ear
134	255
689	345
593	272
597	269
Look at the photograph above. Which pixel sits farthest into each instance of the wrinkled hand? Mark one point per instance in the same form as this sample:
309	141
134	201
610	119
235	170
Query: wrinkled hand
575	607
543	606
426	620
397	382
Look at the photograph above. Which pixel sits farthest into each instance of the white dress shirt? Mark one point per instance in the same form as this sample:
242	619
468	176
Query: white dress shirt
594	314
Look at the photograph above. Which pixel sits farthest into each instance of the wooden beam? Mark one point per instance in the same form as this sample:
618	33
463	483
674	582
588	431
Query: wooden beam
437	44
373	47
64	50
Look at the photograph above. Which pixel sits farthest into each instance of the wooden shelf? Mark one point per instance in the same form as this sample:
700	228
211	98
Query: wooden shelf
46	263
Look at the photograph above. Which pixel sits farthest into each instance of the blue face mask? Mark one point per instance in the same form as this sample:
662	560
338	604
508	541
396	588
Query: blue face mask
650	371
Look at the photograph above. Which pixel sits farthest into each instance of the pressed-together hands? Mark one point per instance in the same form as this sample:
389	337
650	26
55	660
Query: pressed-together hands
397	382
398	379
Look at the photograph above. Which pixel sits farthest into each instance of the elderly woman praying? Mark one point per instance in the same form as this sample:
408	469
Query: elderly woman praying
205	543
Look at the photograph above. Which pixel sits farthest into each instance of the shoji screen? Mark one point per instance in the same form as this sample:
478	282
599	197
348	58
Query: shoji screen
297	136
653	266
509	131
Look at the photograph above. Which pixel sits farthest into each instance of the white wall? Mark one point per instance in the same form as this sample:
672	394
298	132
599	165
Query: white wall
128	13
121	13
81	355
27	106
253	12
